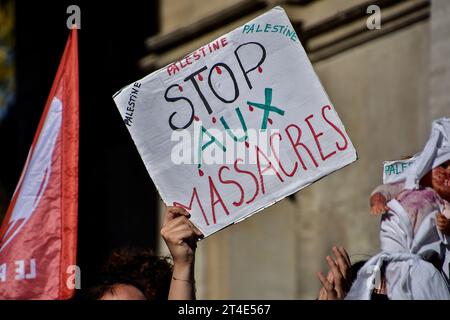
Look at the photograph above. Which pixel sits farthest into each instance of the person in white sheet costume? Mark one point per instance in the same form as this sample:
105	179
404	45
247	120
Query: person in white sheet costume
414	232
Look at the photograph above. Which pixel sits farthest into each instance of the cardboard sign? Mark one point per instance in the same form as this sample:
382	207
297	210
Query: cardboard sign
236	125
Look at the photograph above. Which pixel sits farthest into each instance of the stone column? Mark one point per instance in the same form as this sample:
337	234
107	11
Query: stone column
440	59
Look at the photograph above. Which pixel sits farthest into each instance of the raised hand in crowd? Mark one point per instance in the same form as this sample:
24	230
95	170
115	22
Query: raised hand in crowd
181	237
338	281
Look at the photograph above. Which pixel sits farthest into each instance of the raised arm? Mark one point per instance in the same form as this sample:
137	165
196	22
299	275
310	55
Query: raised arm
181	237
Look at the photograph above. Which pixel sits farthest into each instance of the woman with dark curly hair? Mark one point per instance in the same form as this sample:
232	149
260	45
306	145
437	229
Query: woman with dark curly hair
134	274
138	274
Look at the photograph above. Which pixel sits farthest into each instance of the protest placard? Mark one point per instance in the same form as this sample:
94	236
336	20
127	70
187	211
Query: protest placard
236	125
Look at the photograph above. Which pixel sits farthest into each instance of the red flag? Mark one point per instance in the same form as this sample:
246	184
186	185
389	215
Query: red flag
38	236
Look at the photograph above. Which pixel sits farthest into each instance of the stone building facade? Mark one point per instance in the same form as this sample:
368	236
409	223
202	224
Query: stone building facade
386	85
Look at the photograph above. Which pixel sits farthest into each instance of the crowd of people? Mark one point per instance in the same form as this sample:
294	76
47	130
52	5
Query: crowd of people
413	262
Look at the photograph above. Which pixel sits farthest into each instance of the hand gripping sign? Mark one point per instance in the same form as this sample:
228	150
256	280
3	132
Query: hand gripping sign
236	125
